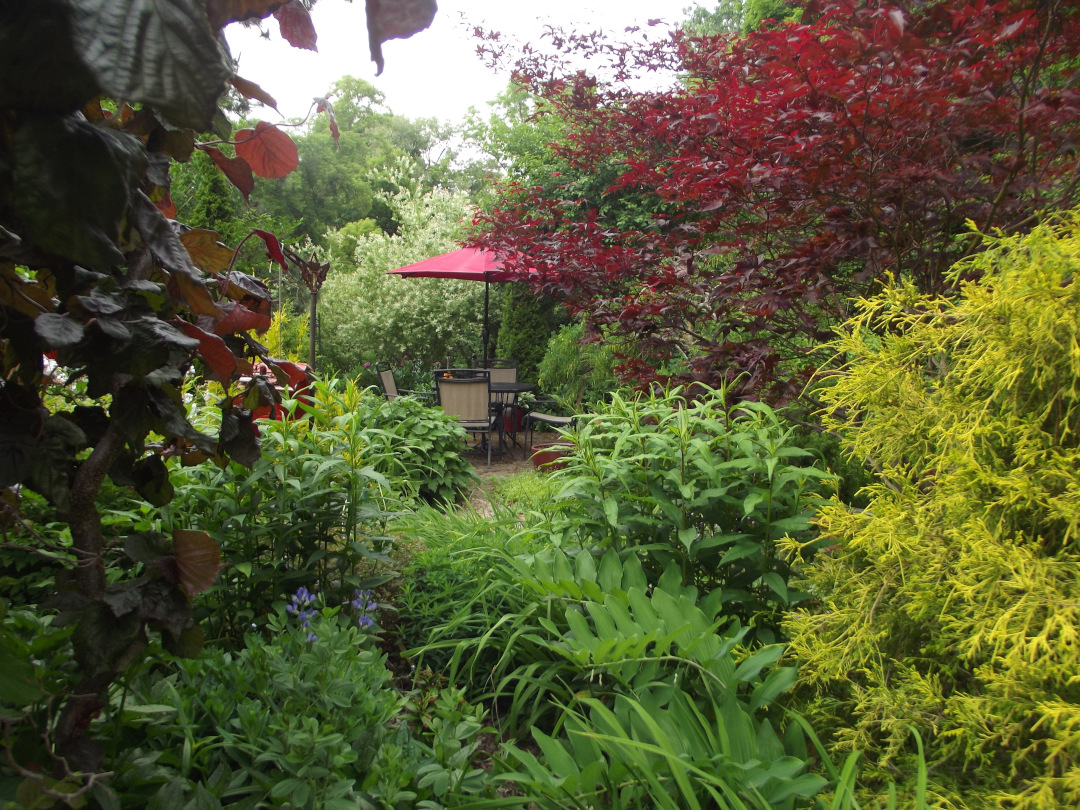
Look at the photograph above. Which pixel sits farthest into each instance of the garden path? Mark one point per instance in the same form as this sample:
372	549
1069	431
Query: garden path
501	467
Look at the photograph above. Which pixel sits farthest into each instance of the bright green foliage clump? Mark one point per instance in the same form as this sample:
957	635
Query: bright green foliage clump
574	372
950	604
703	485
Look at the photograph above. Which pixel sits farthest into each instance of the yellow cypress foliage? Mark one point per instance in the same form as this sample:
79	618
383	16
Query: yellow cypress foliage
952	602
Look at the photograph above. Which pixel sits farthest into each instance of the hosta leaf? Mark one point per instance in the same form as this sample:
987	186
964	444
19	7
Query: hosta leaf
158	52
268	151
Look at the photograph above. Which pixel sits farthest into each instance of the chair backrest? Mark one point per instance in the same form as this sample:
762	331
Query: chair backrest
506	374
467	399
503	371
386	380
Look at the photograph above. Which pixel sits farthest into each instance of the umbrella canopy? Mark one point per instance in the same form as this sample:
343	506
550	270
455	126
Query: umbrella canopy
466	264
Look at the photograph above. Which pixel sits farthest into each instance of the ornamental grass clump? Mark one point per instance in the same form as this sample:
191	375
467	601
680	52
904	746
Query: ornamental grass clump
950	603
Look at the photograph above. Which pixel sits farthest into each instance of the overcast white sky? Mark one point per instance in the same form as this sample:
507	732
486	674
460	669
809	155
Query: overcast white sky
436	72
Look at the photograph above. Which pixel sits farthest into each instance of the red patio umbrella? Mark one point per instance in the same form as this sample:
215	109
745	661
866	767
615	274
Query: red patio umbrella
466	264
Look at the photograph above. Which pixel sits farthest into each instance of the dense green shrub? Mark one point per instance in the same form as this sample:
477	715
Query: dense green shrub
528	320
704	485
575	373
306	718
312	509
950	603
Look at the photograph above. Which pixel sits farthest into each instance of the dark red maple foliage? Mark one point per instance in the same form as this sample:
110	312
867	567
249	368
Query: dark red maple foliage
792	169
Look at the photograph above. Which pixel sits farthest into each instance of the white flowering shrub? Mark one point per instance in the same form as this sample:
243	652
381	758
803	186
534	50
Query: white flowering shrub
367	315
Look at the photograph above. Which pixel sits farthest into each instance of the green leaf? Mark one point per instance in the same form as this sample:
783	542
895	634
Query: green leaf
750	668
611	511
687	537
610	574
775	683
751	501
742	549
158	52
776	584
18	686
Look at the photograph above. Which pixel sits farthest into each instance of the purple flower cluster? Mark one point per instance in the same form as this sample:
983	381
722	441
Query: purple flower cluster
364	607
302	606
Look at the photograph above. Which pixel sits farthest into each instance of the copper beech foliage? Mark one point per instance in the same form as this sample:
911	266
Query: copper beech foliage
789	170
100	288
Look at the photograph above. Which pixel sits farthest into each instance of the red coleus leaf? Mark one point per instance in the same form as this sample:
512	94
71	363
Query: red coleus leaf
273	248
236	170
198	560
213	350
295	25
268	151
239	319
249	89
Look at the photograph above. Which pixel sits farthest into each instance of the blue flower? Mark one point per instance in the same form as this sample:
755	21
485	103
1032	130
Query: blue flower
363	605
302	606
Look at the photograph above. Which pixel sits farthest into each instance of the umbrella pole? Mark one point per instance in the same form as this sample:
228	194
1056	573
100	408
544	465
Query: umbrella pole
484	331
